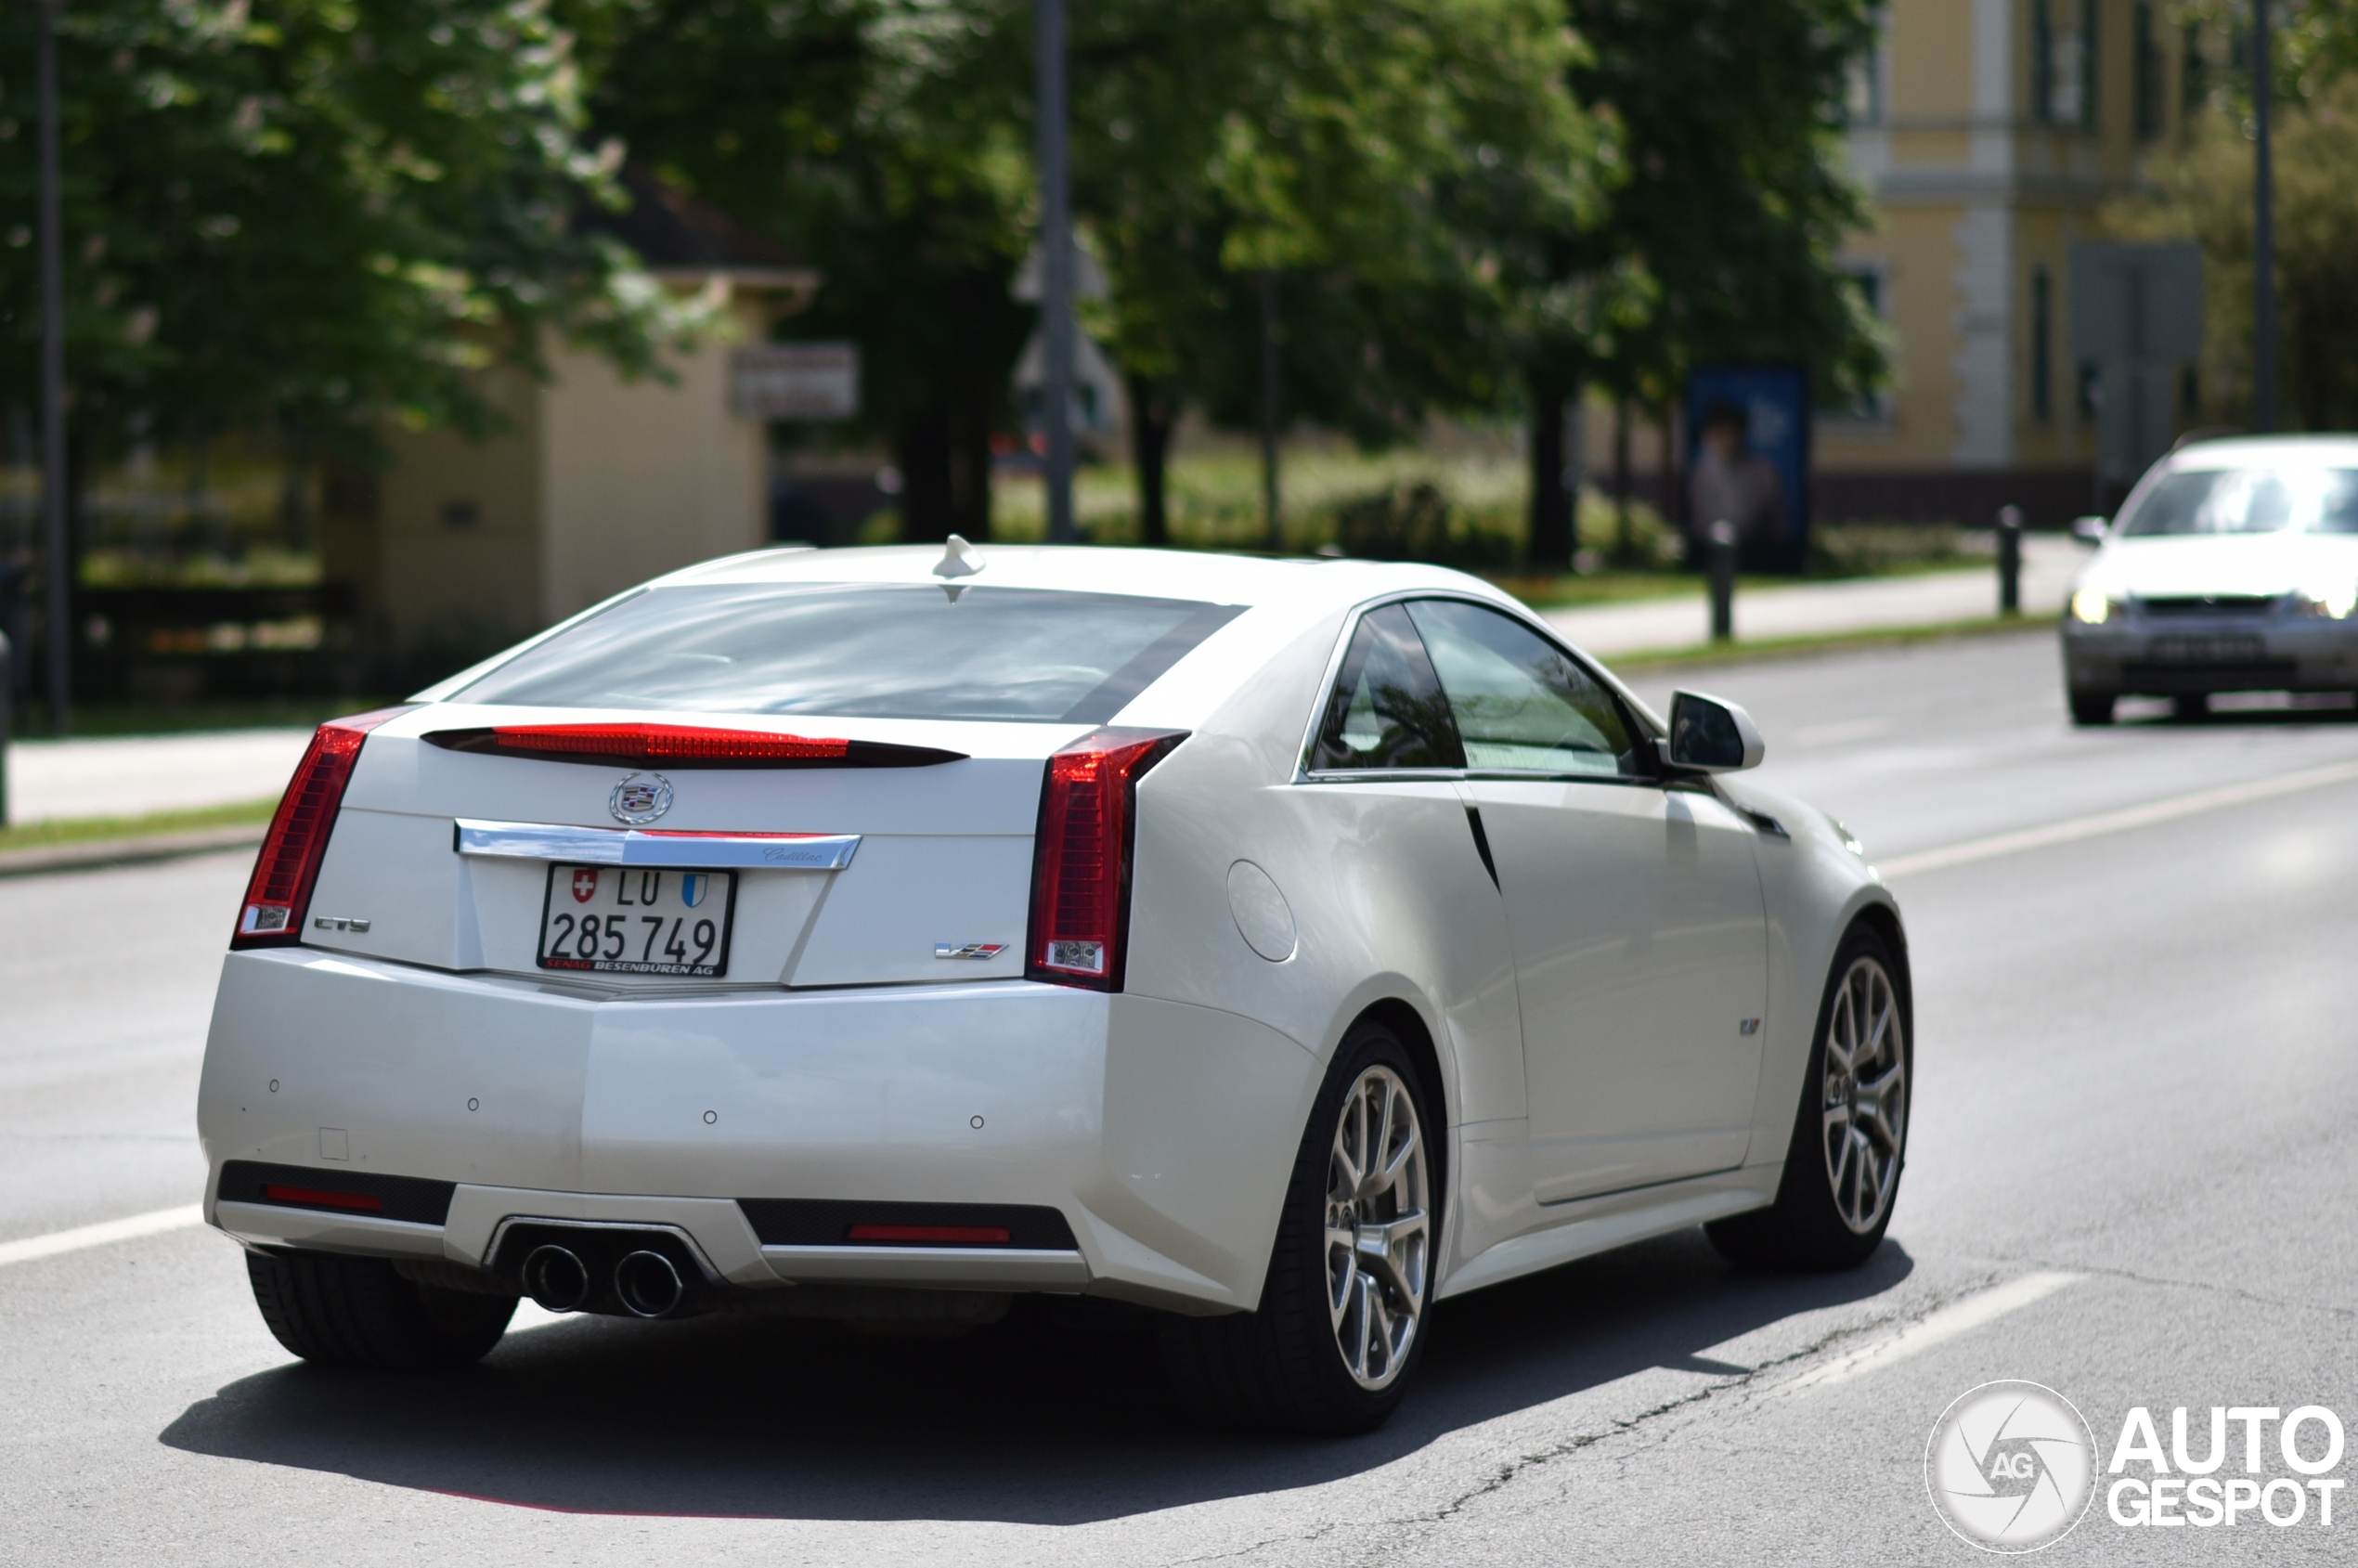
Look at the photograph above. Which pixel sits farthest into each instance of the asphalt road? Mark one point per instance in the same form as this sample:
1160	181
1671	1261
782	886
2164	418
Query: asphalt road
2134	1155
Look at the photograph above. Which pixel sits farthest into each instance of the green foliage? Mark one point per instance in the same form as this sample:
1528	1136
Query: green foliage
1392	159
2203	191
327	212
886	142
1880	550
1721	243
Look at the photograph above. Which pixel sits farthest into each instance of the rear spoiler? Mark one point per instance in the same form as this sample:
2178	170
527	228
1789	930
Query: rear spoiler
682	746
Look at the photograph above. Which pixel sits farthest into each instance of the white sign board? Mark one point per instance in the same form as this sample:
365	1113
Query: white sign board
795	380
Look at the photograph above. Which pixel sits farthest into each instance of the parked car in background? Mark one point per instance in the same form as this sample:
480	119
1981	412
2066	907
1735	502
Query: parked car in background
2233	566
878	933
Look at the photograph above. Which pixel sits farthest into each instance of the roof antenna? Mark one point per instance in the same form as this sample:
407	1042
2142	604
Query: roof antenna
959	559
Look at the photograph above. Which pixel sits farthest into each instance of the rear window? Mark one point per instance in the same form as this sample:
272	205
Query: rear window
862	650
2250	500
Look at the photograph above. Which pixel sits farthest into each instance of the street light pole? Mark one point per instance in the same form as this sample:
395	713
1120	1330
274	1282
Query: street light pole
1055	261
2263	231
57	566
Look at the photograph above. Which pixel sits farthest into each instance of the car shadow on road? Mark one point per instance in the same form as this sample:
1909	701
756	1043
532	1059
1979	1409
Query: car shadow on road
1052	1417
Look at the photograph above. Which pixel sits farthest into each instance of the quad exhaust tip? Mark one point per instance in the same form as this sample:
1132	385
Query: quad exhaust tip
647	1283
556	1279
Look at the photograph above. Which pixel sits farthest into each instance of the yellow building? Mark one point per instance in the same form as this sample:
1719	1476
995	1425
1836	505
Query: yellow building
461	547
1992	134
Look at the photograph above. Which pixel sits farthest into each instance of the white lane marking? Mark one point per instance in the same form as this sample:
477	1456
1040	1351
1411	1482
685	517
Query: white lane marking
99	1235
2121	821
1941	1326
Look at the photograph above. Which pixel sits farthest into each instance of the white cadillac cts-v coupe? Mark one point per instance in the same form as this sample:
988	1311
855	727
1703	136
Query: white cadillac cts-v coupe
877	934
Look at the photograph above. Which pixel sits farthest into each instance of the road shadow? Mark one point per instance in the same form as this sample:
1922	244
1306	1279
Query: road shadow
1054	1417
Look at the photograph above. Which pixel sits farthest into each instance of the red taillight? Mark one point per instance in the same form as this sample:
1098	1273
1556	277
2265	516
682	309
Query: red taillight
665	743
313	1197
272	914
1080	862
933	1236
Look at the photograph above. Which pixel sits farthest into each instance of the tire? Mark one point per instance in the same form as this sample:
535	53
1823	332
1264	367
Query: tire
2091	706
1303	1363
1826	1215
336	1311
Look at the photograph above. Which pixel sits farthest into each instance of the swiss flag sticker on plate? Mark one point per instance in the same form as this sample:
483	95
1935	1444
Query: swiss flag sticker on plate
584	884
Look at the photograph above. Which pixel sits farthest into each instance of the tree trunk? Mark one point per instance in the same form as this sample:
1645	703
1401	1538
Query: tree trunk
1151	418
1625	541
970	463
928	511
1550	544
1673	512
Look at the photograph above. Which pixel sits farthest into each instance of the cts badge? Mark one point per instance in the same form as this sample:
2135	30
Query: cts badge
640	799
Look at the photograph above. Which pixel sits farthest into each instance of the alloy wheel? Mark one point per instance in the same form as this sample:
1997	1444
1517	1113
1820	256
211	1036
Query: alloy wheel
1378	1227
1865	1095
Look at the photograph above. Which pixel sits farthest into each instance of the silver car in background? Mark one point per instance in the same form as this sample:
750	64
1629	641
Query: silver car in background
2233	566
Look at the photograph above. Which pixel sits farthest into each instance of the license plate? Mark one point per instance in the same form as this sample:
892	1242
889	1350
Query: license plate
2207	649
635	920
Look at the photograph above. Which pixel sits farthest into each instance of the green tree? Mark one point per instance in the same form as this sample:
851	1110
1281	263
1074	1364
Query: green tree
2203	191
1719	243
1392	161
324	211
888	142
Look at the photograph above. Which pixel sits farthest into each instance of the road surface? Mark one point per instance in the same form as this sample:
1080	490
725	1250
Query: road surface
2135	1151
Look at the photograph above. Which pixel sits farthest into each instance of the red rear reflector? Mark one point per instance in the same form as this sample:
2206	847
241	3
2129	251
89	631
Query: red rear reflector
280	889
939	1235
1081	859
665	743
313	1198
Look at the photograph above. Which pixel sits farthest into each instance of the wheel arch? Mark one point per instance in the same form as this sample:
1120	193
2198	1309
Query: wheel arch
1407	1023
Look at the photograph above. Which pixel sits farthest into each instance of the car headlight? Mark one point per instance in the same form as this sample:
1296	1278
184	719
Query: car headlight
2333	603
2090	607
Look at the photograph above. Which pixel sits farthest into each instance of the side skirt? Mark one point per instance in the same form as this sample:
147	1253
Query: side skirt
1599	1224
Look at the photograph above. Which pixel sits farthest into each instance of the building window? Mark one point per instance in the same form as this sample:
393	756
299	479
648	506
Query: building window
1863	88
2042	346
2193	77
2042	62
1869	407
2148	79
2088	65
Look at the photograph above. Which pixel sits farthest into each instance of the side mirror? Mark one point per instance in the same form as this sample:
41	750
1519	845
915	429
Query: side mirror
1710	736
2088	530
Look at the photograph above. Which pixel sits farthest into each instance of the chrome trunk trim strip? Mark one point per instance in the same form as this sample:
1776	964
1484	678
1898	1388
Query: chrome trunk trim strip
601	845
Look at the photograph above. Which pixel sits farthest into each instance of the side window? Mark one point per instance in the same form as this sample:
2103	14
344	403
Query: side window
1386	710
1521	704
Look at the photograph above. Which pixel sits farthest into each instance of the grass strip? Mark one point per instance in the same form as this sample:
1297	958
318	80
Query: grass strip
97	830
1643	661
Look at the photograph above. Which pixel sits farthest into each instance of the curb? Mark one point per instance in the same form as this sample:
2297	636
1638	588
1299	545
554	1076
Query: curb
1701	655
128	851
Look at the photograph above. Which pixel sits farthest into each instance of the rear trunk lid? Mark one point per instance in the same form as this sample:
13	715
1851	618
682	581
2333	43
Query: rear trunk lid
894	874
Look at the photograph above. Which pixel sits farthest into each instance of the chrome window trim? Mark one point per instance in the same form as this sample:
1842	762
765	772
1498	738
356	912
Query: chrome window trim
629	847
1304	773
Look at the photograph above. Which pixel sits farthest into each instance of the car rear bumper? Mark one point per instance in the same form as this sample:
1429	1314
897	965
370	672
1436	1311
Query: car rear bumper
1161	1133
2274	656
